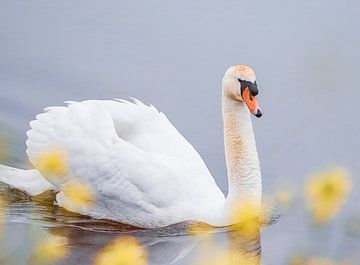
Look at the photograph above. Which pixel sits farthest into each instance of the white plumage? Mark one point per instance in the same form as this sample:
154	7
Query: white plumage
143	172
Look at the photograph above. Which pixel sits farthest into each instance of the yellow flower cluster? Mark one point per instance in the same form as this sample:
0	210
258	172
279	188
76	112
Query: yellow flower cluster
326	193
123	251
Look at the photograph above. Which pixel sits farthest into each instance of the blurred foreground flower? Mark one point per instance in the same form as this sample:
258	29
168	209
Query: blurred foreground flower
303	260
320	261
246	217
123	251
298	260
78	195
221	258
52	163
327	192
50	250
285	196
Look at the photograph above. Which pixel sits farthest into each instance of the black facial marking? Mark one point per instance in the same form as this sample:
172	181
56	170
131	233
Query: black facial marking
252	86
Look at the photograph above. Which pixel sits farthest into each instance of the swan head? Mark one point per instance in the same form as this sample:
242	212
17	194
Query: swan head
239	84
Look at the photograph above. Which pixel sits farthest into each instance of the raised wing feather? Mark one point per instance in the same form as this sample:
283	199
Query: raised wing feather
150	130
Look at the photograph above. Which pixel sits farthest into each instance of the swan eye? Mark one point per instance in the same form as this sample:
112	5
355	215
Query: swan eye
244	84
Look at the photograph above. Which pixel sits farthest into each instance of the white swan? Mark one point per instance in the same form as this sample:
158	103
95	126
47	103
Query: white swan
142	170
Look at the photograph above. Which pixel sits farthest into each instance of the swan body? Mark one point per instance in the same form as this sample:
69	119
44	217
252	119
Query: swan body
142	171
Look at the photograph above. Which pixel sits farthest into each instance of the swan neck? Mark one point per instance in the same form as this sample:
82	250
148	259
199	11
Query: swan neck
244	175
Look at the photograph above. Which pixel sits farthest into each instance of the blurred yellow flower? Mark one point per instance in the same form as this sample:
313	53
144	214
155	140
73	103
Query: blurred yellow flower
246	217
52	163
327	192
298	260
244	259
320	261
123	251
52	249
218	258
285	196
232	257
78	195
302	260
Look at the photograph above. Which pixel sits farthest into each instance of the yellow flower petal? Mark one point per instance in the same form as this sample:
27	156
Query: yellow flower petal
78	195
246	217
298	260
327	192
123	251
320	261
231	257
53	249
52	163
285	197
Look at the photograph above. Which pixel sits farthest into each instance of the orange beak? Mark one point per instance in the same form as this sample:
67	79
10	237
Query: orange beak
251	102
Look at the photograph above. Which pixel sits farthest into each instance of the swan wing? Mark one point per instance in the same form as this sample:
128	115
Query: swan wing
142	171
150	130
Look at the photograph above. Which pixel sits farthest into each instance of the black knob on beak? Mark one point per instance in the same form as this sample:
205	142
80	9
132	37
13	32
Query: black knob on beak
258	113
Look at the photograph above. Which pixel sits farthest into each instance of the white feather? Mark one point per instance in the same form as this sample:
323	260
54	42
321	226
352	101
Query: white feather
29	181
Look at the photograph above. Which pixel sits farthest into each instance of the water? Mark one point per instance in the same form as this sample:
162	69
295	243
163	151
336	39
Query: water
29	220
173	54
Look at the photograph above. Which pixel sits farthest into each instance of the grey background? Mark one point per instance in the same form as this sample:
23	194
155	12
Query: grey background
173	54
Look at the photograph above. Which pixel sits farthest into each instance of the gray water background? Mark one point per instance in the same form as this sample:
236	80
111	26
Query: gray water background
174	54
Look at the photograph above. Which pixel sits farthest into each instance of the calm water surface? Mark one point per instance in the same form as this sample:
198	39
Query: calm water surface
30	220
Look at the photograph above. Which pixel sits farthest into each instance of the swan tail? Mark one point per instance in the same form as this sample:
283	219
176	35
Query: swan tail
29	181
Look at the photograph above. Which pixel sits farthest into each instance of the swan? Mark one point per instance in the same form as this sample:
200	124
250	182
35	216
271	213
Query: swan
142	171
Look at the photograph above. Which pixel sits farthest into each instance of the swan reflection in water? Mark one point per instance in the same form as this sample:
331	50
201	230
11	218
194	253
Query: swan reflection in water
164	247
171	245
